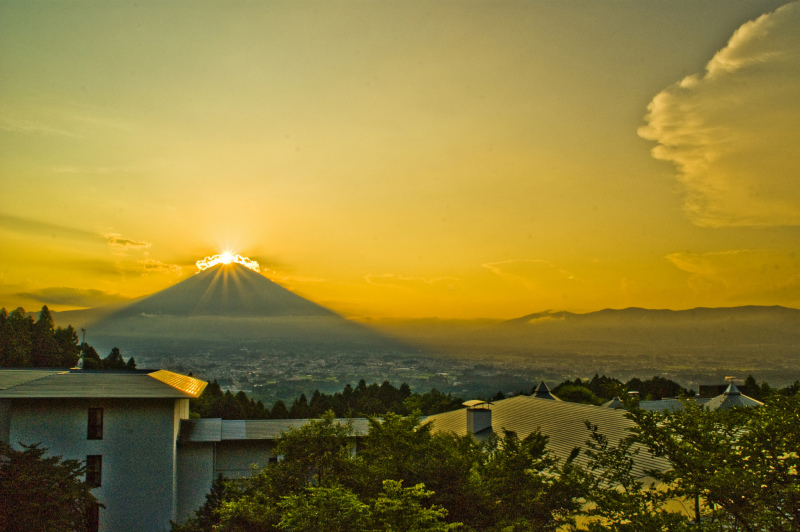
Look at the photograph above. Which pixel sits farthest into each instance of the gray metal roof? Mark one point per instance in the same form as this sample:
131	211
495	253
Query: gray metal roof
562	422
14	377
731	398
616	402
40	384
660	405
543	392
215	429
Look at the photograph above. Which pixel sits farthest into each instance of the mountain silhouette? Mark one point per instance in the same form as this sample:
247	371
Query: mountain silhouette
228	290
230	304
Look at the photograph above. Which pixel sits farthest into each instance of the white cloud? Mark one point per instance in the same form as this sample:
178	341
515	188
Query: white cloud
734	130
530	272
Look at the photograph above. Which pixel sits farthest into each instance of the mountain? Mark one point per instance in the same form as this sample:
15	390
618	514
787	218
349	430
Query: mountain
658	329
229	290
757	339
225	305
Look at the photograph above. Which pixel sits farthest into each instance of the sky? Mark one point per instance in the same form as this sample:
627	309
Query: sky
450	159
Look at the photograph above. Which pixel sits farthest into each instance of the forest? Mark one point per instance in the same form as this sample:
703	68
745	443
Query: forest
732	469
29	343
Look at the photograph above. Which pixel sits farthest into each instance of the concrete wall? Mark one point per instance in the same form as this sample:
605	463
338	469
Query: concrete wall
195	477
138	450
235	458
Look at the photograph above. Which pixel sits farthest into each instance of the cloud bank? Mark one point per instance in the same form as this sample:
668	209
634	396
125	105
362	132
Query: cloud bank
734	130
115	240
76	297
742	276
156	266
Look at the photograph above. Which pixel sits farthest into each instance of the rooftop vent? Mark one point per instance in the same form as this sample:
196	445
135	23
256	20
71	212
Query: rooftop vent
479	416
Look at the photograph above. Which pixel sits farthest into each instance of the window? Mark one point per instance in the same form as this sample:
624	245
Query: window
93	518
95	431
94	470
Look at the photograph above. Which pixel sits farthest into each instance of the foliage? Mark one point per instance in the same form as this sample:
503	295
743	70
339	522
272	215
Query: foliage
320	484
41	492
616	500
740	466
363	400
601	388
207	516
114	360
28	343
327	509
525	488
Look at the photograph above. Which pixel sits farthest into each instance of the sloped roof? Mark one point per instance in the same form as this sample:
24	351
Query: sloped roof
543	392
731	398
616	402
215	429
562	422
660	405
76	383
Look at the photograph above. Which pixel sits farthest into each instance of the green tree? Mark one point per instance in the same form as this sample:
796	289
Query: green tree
207	516
320	453
91	360
526	489
616	500
326	509
739	466
44	348
400	509
41	492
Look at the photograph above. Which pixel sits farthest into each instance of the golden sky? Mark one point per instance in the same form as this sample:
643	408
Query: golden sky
453	159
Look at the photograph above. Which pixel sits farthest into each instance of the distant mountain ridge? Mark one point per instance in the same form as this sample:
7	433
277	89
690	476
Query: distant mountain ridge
663	315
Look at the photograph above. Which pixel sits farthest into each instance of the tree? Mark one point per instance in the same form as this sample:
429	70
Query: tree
400	509
41	492
739	466
616	500
525	488
44	348
91	360
325	509
207	516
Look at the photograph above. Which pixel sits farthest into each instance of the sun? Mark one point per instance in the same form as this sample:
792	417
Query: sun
226	257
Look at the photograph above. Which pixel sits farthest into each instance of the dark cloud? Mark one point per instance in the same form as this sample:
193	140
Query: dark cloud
76	297
116	240
156	266
35	227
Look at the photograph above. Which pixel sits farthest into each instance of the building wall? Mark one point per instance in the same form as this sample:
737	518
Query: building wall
195	476
138	450
235	459
199	463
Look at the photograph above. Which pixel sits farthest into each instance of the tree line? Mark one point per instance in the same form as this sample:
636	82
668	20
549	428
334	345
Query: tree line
26	343
731	469
375	400
361	401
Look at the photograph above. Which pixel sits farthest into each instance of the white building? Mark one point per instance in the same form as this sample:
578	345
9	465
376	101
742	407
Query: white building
151	463
125	425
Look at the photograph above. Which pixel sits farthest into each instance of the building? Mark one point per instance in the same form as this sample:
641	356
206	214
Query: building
125	425
150	462
211	447
562	422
